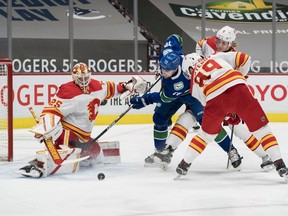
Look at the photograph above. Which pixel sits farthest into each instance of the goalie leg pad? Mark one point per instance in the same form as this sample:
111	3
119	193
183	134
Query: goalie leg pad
111	152
102	153
50	168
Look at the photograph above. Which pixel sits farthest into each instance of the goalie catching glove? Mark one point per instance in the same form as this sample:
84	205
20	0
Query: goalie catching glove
136	85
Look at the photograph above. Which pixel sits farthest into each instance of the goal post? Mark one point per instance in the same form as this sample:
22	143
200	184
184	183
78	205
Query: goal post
6	110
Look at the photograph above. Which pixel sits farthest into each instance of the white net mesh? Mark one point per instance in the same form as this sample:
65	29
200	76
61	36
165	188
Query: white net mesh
3	112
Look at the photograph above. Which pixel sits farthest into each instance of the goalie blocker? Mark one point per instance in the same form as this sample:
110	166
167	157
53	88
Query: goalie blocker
44	165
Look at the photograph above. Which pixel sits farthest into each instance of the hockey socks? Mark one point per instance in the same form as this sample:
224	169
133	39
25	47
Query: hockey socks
223	140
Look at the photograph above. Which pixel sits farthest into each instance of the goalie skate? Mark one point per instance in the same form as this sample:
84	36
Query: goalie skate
31	171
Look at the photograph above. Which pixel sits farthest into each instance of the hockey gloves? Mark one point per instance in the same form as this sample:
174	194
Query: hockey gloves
232	119
136	85
139	102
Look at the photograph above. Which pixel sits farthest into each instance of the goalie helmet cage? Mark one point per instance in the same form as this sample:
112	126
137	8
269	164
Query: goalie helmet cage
6	110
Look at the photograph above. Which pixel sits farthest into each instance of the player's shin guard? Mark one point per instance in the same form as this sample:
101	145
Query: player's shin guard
270	145
196	147
254	145
223	140
160	136
176	136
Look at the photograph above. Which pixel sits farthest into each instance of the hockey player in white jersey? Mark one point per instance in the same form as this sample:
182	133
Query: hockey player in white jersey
70	116
224	41
224	90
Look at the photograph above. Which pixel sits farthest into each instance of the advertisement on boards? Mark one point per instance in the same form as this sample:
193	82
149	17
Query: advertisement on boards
270	90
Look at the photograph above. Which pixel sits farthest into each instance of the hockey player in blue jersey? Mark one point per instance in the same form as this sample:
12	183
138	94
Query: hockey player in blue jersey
173	94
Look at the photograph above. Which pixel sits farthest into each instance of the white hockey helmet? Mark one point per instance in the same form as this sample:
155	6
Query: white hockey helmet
190	60
81	74
227	34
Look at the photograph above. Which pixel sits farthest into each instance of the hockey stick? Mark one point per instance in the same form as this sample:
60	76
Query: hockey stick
87	144
230	146
52	150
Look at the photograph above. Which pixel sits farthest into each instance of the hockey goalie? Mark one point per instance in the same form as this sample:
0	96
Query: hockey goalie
70	116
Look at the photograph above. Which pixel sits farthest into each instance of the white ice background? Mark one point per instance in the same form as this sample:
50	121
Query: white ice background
132	189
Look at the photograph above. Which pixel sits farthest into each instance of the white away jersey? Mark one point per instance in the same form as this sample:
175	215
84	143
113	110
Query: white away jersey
217	73
77	110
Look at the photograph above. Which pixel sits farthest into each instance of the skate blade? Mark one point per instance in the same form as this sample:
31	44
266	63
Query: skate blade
177	177
150	165
231	168
268	168
160	164
286	179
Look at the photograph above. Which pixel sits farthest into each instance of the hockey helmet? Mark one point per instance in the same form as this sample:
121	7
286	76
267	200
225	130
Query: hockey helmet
81	74
190	60
176	38
170	61
227	34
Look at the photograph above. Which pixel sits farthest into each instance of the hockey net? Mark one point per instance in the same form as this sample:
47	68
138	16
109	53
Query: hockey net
6	111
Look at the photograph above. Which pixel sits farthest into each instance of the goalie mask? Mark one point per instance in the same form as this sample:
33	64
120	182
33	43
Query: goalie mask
81	74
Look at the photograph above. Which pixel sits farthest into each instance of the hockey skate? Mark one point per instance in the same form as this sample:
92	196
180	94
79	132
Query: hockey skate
149	161
281	169
267	163
235	158
163	159
182	168
31	171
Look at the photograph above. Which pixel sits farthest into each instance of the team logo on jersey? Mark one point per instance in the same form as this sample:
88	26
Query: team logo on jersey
86	14
263	118
178	86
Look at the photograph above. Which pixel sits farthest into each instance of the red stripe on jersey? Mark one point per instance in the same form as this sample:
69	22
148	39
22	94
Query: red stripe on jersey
83	135
179	131
229	76
110	90
52	111
198	144
252	143
268	141
241	59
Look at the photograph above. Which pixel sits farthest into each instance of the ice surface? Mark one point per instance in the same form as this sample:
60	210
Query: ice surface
132	189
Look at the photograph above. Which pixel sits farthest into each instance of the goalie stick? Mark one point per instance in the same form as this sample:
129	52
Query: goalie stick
91	142
52	150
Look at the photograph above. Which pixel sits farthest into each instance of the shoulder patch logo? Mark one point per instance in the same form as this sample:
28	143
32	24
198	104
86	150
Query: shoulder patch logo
178	86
